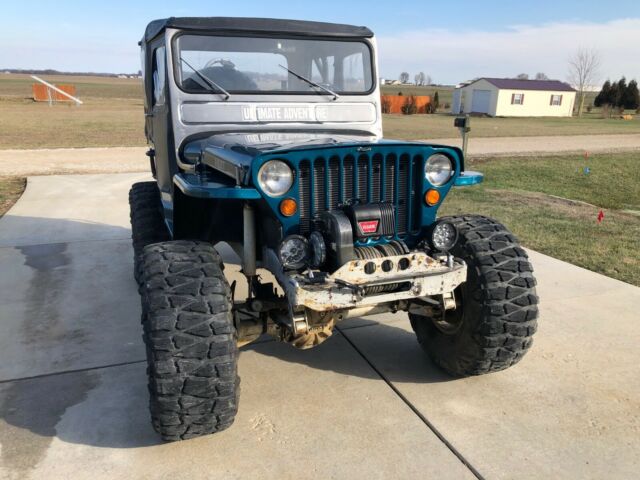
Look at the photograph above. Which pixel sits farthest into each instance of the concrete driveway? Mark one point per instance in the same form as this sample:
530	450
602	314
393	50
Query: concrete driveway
366	404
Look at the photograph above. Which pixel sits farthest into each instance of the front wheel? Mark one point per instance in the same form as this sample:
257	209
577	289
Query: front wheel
496	315
190	339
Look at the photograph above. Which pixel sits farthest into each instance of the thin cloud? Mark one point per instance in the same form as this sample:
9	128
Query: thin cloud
451	56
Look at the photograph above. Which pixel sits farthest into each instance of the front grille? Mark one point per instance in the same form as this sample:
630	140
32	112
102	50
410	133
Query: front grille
326	183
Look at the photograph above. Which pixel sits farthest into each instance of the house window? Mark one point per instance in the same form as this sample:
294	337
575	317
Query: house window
517	98
556	100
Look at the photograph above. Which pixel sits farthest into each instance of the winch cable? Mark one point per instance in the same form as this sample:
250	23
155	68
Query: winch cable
392	248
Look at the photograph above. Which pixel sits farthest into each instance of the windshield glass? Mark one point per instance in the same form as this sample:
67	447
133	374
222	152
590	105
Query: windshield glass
259	65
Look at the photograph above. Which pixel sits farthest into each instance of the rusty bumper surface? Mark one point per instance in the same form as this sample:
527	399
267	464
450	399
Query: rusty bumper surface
419	275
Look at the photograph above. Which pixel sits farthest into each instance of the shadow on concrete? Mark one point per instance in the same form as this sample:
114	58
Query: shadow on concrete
101	408
384	342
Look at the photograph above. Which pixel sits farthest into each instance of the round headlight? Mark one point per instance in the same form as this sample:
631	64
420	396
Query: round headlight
438	169
444	236
294	252
275	178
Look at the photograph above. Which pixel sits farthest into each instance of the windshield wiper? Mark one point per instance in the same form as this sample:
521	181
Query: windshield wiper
311	82
210	84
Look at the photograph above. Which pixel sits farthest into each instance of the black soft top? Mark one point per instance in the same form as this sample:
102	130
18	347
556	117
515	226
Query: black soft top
255	26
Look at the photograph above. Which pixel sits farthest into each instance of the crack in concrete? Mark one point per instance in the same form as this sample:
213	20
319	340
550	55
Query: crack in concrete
414	409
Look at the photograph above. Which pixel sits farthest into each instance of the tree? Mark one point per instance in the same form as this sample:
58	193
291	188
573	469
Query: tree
541	76
419	78
603	96
584	66
614	95
622	91
436	102
404	77
427	80
523	76
631	98
410	107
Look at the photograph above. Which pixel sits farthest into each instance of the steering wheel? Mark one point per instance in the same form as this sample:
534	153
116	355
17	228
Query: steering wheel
221	61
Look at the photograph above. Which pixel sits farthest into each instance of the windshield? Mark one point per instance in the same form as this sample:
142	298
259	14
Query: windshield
270	65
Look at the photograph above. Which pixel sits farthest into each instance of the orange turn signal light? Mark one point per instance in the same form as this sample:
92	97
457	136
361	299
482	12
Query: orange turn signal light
288	207
432	197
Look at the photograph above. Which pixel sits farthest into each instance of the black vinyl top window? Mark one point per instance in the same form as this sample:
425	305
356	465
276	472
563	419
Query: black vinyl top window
254	65
159	75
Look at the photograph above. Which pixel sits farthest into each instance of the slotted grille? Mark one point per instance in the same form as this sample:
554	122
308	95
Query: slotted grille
324	184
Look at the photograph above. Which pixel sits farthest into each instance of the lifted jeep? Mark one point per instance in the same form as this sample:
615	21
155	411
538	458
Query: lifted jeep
267	135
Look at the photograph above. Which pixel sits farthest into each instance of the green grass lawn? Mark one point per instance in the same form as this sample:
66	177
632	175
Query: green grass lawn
523	193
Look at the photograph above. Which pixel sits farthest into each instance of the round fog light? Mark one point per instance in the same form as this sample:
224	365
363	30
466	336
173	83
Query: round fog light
444	236
318	249
294	252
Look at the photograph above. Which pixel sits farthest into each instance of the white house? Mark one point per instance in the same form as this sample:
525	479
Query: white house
508	97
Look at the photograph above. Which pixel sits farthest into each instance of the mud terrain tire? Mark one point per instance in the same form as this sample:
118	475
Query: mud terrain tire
499	303
190	340
147	222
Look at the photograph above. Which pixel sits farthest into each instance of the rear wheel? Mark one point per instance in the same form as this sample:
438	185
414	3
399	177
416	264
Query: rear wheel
190	339
147	221
496	315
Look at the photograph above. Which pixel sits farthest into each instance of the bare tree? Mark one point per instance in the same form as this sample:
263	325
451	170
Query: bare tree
427	80
584	66
541	76
404	77
523	76
419	78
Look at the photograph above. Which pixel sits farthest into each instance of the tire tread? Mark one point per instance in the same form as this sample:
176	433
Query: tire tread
190	339
504	294
147	221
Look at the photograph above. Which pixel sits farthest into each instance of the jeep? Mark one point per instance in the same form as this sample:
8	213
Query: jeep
266	135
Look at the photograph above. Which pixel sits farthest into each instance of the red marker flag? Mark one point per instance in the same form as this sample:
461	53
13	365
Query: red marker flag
600	216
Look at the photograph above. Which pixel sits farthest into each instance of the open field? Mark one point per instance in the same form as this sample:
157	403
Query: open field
113	116
100	122
417	127
86	86
552	206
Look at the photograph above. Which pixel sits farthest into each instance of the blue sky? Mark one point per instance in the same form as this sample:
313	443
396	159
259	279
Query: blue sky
450	41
